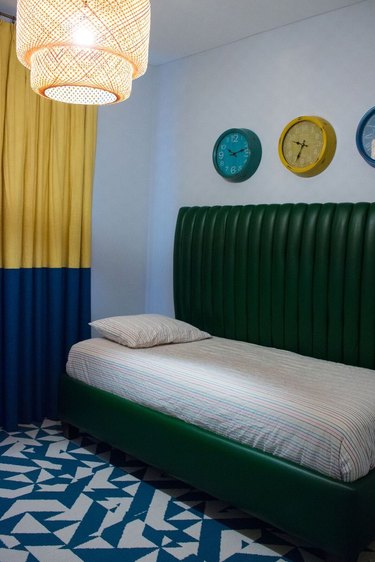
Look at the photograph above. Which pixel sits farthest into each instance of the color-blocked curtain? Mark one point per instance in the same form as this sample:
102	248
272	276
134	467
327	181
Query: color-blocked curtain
47	152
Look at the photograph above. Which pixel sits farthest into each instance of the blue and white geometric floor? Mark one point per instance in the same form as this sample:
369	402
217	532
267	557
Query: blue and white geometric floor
80	501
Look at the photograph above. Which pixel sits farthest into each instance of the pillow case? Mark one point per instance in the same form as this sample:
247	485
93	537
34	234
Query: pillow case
147	330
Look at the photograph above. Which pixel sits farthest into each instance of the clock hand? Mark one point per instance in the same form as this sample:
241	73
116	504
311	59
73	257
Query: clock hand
302	145
236	152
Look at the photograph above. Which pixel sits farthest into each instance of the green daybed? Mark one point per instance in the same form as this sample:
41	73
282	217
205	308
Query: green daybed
299	277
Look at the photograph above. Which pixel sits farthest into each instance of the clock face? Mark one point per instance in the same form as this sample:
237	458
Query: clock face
233	153
307	145
303	144
237	154
366	137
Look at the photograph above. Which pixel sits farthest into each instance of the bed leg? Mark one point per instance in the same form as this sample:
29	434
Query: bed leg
69	431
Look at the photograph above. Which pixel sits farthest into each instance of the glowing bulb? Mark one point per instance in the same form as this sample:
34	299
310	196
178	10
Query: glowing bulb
83	36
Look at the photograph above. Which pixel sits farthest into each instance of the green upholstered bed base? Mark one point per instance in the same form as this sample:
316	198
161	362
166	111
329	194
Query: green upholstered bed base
299	277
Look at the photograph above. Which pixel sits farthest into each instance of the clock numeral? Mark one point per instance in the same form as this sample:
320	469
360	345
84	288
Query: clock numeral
223	146
234	137
233	170
221	154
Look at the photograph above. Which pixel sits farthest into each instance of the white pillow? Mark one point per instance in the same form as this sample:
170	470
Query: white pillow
147	330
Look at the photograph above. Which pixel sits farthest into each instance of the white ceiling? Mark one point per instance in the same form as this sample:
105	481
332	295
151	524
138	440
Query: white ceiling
180	28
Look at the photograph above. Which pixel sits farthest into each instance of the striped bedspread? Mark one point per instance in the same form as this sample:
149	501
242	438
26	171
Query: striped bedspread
318	414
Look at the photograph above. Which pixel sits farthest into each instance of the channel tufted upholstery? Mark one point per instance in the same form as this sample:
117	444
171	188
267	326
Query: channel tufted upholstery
276	275
299	277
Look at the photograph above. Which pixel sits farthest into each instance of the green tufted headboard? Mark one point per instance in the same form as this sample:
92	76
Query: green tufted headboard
299	277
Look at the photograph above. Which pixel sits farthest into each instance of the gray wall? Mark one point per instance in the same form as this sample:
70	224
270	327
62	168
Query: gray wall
121	202
321	66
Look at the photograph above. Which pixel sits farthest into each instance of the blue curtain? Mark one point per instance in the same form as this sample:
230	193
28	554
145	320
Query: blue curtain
43	311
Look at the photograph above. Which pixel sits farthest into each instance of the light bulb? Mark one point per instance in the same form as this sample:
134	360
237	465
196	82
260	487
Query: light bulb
82	35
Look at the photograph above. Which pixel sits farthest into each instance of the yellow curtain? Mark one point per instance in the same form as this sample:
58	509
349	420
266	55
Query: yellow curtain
47	152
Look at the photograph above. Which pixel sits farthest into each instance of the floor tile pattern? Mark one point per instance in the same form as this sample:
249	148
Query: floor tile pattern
81	501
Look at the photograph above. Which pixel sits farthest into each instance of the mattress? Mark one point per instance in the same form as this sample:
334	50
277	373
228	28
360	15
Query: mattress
316	413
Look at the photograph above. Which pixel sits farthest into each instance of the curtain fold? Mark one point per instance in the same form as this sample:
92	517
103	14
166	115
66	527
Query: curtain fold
47	152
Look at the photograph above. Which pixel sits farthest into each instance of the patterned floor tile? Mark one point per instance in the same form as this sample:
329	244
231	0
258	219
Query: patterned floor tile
81	501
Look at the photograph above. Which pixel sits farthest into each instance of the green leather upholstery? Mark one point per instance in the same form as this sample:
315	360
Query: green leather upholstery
299	277
335	516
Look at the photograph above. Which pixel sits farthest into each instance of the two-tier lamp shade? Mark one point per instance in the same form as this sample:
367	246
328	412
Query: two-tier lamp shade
83	51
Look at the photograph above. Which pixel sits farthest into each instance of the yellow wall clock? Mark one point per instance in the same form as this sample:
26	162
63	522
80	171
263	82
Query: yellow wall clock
307	145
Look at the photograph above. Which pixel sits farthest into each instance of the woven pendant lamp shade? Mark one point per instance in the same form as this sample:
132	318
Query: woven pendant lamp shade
83	51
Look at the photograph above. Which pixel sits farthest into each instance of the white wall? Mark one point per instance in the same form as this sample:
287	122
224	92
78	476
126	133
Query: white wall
121	202
321	66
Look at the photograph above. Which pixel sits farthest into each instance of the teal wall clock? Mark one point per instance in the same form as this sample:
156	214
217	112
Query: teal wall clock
365	137
237	154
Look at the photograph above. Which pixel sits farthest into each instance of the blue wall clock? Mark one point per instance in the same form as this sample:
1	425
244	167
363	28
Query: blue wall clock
237	154
365	137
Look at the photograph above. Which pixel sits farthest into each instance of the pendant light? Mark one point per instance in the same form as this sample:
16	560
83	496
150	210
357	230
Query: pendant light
83	51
